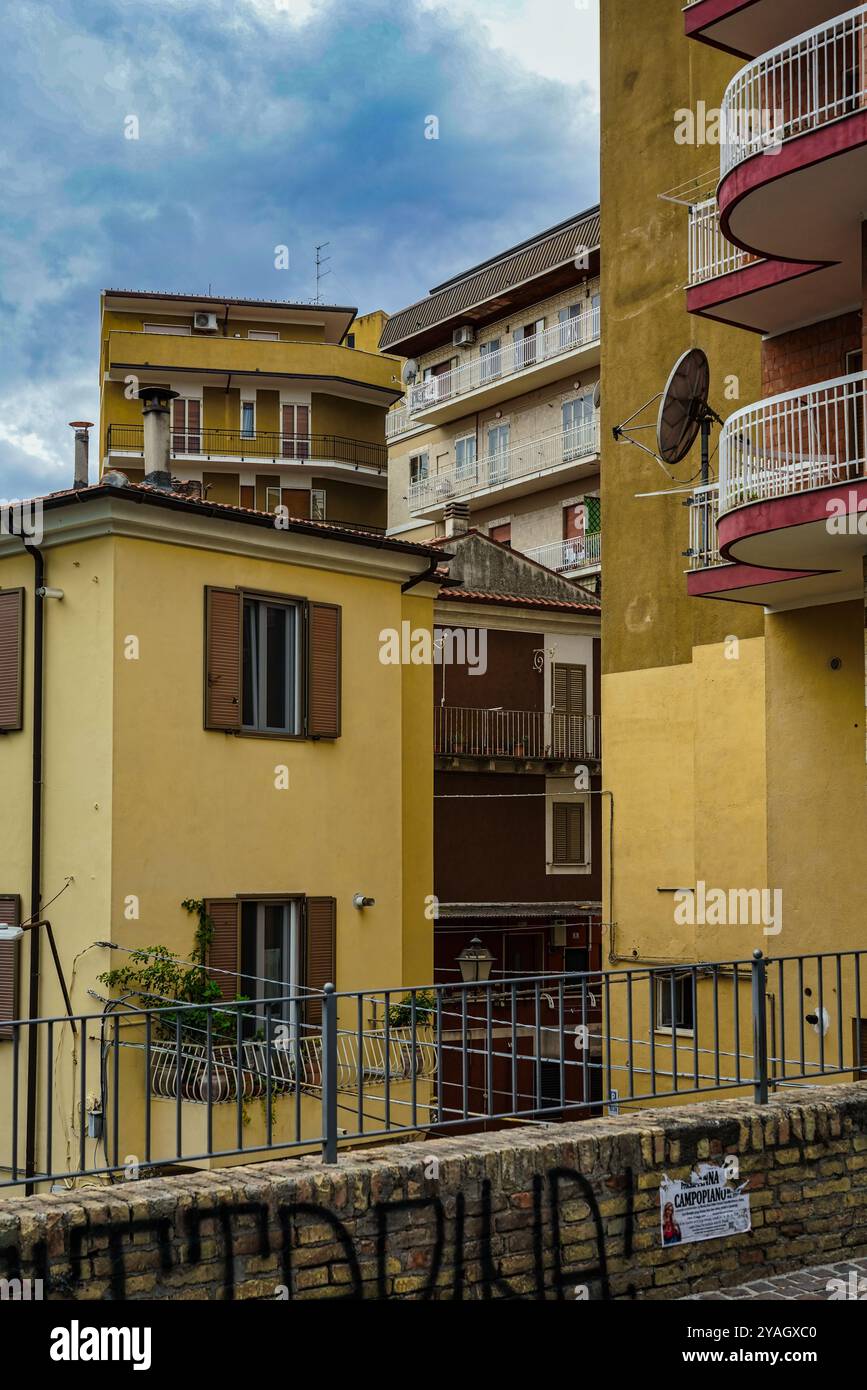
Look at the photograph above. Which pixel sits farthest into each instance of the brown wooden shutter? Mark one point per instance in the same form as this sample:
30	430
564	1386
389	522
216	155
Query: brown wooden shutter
222	659
568	832
323	670
11	658
10	916
223	951
320	950
570	688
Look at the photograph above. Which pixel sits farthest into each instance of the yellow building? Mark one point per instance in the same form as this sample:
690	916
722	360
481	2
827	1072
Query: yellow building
215	725
734	728
275	401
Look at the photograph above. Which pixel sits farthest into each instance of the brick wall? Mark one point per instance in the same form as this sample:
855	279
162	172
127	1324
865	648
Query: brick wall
527	1213
807	356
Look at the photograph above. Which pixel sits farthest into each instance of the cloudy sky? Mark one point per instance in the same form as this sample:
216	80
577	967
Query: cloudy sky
262	123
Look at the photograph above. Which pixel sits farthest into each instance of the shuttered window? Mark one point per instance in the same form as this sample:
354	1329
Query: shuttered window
10	916
570	688
223	951
568	827
260	677
323	671
223	659
11	658
320	949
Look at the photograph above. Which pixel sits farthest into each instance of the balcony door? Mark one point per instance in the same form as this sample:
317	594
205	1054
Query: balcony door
568	710
295	431
574	531
528	344
270	945
578	427
186	426
498	453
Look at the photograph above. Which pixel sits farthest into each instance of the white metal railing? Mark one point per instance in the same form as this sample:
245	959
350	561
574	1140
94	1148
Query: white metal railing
482	369
515	733
710	255
398	422
576	553
798	87
496	470
703	514
803	439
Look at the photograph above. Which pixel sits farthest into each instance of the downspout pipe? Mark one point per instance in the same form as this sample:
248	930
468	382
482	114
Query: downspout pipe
35	857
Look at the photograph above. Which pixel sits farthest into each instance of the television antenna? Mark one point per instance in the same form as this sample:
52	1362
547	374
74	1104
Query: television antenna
683	414
320	273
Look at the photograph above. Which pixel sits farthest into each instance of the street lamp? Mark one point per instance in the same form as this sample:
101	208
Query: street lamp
475	962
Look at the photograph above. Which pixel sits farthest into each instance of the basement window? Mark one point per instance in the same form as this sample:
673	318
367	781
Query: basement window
271	697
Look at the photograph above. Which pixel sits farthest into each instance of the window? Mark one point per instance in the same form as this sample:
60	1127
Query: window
272	498
570	325
262	335
296	431
186	426
465	459
578	434
271	643
248	419
568	832
528	343
498	448
11	660
180	330
568	710
490	364
270	961
350	340
675	997
317	504
418	467
501	533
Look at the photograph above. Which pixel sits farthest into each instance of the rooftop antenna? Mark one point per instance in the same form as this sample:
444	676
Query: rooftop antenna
683	413
320	273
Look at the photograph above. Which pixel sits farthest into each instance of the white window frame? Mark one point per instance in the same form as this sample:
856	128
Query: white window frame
421	475
318	508
260	671
468	467
661	979
561	789
291	944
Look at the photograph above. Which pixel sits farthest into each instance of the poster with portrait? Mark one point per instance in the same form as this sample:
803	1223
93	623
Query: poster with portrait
708	1205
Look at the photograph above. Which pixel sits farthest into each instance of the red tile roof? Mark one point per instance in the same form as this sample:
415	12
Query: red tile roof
519	601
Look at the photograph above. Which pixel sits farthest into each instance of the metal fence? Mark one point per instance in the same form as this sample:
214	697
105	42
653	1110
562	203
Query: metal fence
273	446
171	1086
463	731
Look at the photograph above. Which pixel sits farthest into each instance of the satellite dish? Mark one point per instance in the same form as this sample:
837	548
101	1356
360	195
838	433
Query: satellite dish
409	371
597	395
683	406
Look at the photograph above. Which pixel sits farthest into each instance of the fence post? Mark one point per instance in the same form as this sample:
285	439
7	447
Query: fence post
329	1075
760	1029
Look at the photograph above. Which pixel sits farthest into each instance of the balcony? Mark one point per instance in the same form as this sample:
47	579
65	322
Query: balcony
212	358
570	556
794	163
792	483
749	27
330	454
486	378
517	735
399	422
512	472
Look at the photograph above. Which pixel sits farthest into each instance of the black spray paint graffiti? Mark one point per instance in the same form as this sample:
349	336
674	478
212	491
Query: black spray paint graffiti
179	1242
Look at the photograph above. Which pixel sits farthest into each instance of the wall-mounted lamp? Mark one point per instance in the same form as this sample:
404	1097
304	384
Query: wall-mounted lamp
360	901
43	592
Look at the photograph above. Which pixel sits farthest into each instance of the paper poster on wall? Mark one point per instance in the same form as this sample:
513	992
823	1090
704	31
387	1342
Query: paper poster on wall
706	1206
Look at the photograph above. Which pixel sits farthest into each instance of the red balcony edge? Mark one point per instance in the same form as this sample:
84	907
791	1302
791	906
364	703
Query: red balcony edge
722	579
796	154
740	284
698	17
784	514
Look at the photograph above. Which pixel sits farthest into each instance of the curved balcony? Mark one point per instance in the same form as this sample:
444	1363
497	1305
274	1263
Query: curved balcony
794	161
750	27
792	490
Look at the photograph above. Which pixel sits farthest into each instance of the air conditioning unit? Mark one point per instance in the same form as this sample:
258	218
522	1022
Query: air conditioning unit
462	337
206	323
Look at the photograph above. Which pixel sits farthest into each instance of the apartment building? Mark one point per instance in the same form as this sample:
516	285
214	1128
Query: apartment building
517	823
195	685
733	685
501	407
274	402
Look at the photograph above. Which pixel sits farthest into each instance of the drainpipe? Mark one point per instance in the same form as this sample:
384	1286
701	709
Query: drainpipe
35	857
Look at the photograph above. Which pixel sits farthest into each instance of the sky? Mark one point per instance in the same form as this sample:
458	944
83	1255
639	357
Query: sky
174	144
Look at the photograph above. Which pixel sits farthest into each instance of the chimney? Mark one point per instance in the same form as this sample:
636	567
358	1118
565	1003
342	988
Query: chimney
82	438
156	410
457	519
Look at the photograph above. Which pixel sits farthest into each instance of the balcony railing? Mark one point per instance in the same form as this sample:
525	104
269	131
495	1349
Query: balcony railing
703	514
274	447
798	87
496	470
483	369
579	552
398	422
513	733
794	442
710	255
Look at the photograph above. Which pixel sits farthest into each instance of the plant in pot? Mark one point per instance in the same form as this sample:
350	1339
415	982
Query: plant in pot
400	1020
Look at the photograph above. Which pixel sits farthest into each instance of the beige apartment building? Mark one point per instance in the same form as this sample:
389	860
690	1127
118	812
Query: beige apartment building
499	427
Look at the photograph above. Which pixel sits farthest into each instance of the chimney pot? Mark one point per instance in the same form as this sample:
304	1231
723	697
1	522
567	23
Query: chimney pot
156	411
457	519
82	438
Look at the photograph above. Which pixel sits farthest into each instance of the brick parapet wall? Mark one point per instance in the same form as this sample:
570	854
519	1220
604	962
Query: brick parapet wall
530	1212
